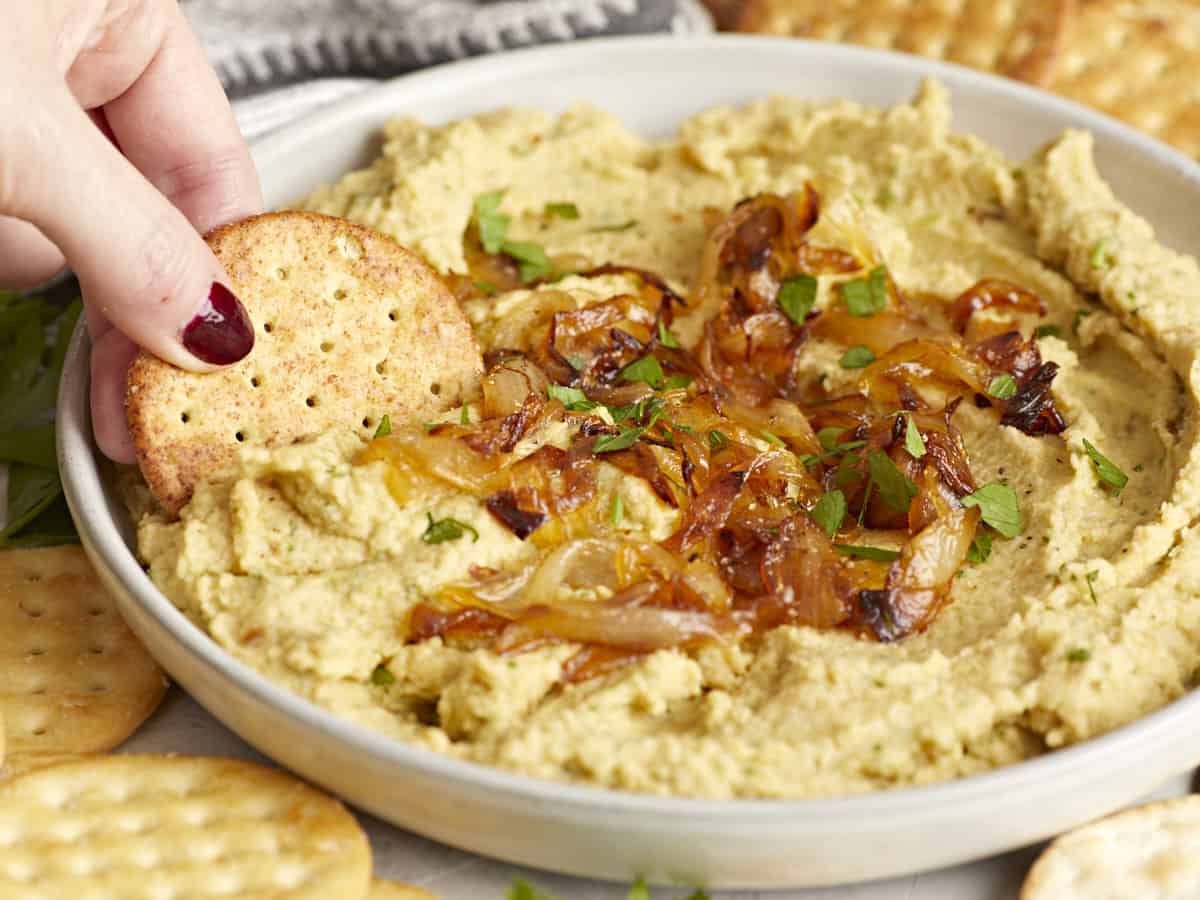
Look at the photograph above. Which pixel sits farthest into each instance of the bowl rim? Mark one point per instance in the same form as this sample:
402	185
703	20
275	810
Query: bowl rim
84	489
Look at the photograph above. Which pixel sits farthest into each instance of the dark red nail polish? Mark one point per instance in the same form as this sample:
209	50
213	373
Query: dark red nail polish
221	333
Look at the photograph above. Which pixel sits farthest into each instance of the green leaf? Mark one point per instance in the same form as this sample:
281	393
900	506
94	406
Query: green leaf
647	370
51	526
382	676
830	512
866	296
1047	331
878	554
677	382
665	337
998	505
385	427
487	287
562	210
523	890
1002	387
1106	470
573	399
31	490
33	446
856	358
491	223
441	530
608	443
717	440
617	512
796	297
620	226
893	485
913	442
1102	254
773	439
981	548
464	417
829	436
530	257
638	891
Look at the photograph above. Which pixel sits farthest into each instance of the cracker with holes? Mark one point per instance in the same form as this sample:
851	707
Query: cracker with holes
1148	851
73	678
159	826
348	326
394	890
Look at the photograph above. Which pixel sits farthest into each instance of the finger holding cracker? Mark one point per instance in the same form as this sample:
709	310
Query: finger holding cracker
73	678
349	327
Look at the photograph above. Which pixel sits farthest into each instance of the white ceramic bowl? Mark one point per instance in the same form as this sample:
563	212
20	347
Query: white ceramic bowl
652	84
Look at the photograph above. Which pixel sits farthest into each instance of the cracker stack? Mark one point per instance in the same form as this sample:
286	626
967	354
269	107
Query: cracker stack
1138	61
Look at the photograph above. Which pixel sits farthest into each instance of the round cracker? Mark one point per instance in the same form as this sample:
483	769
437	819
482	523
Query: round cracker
160	826
73	678
1148	851
394	890
349	327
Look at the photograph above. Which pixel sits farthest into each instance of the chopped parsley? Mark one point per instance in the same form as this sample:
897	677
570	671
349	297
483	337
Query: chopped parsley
858	357
830	512
620	226
647	370
576	361
877	554
562	210
382	676
772	439
384	428
491	223
441	530
1106	470
464	417
796	297
616	513
1047	331
623	440
997	504
1090	578
638	890
893	485
981	548
573	399
665	337
530	257
677	382
866	296
523	890
1102	254
829	436
717	440
913	442
486	287
1002	387
1079	654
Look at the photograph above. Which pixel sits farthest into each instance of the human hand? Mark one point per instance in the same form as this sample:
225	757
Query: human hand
118	150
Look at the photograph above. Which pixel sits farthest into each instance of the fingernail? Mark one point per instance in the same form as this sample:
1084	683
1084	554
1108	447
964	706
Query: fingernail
221	333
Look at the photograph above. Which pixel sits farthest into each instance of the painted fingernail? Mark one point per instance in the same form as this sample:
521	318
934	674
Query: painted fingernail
221	333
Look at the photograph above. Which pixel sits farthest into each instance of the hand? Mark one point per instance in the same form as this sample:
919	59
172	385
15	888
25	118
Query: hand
117	151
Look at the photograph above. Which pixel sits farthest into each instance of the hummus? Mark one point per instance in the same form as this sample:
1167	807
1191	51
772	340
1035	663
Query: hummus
307	563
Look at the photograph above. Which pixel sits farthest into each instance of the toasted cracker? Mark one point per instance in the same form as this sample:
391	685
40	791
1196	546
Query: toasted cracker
349	326
159	826
73	678
1018	38
1152	851
394	890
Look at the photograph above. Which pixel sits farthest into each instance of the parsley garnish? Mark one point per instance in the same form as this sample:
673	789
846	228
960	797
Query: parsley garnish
1101	257
828	436
464	417
1002	387
647	370
607	443
665	337
677	382
531	258
1047	331
866	296
621	226
1090	577
638	890
562	210
878	554
893	485
385	427
997	504
773	439
830	512
913	442
717	440
486	287
523	890
796	297
491	223
856	358
441	530
1079	654
617	512
382	676
981	548
573	399
1106	470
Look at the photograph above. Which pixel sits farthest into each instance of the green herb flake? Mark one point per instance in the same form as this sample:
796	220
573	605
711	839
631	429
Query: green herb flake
876	554
490	222
382	676
562	210
1139	468
486	287
441	530
665	337
997	504
1002	387
797	296
856	358
1106	470
893	485
573	399
698	895
609	443
1102	254
616	513
866	296
772	439
981	548
1047	331
523	890
1090	578
677	382
384	428
577	362
913	442
619	226
530	257
647	370
638	891
464	417
828	437
1079	654
830	512
717	440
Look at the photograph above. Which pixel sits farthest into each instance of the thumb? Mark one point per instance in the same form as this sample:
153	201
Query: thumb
140	263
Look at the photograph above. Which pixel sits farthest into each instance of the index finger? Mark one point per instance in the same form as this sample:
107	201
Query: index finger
175	125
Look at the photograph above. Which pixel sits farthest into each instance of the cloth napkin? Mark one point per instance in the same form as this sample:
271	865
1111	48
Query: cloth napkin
279	59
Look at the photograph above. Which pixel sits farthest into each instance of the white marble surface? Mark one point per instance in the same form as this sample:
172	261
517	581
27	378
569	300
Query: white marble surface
181	726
